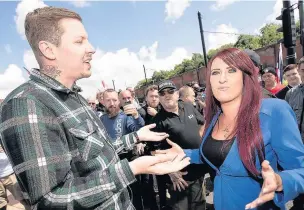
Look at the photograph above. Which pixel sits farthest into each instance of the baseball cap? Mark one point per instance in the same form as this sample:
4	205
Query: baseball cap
269	70
254	57
166	84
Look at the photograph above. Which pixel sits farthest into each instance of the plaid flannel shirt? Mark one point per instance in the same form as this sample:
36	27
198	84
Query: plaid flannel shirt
60	150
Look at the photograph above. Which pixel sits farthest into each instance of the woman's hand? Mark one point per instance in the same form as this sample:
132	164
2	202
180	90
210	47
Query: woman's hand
174	151
272	183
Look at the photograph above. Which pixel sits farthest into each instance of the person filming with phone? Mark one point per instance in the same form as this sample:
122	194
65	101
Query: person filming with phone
127	104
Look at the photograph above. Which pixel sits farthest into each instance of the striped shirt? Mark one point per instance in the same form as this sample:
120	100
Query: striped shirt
60	151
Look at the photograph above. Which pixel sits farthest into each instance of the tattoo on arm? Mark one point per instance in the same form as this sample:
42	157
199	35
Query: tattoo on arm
51	71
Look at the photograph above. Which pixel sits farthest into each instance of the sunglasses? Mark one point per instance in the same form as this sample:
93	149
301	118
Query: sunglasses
91	103
163	93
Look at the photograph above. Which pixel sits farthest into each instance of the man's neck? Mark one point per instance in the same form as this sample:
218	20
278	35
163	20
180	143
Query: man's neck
57	74
269	87
111	115
174	110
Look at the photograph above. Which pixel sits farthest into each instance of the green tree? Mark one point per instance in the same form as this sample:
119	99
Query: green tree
159	75
212	52
269	34
143	83
197	59
248	42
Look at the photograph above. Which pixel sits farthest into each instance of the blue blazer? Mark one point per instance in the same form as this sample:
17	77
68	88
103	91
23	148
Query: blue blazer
234	187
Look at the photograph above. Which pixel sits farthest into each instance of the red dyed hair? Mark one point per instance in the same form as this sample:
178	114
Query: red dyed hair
247	129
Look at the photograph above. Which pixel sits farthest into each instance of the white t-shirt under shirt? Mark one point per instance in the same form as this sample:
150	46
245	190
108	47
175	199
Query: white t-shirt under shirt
5	166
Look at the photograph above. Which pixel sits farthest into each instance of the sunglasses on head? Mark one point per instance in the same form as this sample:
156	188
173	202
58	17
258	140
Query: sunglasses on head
170	91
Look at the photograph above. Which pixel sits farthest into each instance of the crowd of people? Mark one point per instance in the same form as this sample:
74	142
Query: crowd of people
62	151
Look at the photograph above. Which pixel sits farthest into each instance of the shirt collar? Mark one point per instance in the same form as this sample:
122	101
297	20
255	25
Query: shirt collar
37	76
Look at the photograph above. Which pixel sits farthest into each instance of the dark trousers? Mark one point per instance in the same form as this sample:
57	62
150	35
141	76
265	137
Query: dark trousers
148	193
135	190
298	203
136	194
162	186
192	198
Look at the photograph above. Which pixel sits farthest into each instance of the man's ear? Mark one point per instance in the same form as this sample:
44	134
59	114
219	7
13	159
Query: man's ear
47	50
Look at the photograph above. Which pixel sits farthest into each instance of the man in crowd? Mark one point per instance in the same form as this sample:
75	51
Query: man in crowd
135	99
125	97
187	94
199	101
151	108
100	107
118	124
255	58
293	78
269	76
56	144
295	98
92	103
184	124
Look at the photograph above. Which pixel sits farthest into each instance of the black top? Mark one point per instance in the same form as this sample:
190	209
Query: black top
183	129
216	151
282	93
100	108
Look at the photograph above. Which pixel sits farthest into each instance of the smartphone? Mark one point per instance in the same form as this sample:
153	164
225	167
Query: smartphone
128	103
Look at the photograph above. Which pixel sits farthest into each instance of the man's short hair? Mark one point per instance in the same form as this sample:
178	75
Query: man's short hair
109	90
290	67
301	61
184	91
150	88
43	25
99	93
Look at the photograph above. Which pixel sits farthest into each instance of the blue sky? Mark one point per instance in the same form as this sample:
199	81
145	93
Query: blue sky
135	33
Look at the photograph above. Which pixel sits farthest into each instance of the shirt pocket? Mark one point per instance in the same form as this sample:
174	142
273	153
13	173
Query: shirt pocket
87	140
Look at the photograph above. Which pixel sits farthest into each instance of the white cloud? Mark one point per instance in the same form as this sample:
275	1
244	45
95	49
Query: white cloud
221	4
10	79
215	40
175	9
126	67
29	60
8	49
123	66
276	11
14	76
80	3
24	7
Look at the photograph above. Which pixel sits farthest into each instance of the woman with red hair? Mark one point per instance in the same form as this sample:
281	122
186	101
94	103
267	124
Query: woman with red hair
246	138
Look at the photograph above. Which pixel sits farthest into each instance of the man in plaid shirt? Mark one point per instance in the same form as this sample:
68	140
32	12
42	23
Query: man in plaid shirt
58	147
